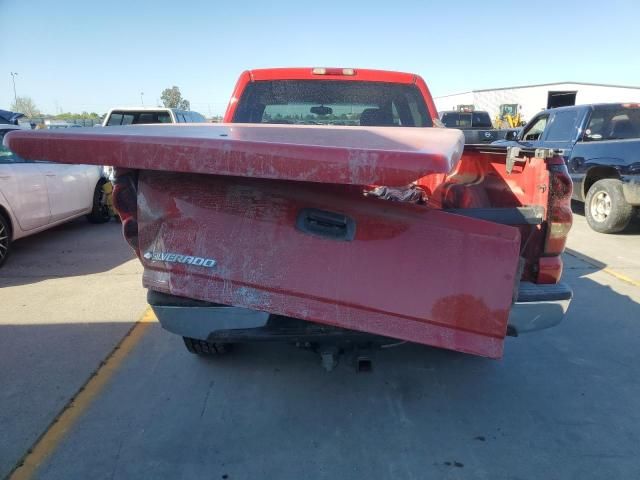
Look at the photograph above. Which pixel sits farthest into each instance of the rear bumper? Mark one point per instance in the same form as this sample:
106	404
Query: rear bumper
537	307
201	320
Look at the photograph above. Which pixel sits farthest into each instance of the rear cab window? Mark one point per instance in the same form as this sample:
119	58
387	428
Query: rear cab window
613	122
456	120
332	102
466	120
142	117
481	120
114	119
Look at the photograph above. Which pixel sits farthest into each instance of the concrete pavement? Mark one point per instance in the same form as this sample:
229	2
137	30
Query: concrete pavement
67	297
619	252
561	404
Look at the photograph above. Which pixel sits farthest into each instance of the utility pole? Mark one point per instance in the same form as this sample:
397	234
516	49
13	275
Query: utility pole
142	98
15	96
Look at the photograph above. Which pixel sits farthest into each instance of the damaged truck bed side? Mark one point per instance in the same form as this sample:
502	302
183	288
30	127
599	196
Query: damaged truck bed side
254	232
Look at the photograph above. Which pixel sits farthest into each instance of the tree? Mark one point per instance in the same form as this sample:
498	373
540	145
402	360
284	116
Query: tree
77	116
25	105
172	98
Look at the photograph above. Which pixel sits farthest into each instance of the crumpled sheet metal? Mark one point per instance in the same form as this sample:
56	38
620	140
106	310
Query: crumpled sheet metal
408	194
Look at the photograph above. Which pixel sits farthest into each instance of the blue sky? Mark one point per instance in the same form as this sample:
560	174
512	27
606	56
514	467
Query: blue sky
91	55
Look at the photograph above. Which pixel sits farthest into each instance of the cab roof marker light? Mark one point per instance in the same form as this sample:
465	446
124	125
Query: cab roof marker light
349	72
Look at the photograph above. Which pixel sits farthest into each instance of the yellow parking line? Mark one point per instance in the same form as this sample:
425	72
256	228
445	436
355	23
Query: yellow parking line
58	429
613	273
622	277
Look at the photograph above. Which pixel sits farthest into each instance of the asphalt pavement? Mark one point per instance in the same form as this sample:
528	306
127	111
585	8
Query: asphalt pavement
561	404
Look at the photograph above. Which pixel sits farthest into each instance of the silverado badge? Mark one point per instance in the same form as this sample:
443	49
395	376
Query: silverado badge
178	258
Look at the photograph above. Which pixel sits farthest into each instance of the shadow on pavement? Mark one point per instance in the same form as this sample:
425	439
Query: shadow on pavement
43	367
72	249
581	257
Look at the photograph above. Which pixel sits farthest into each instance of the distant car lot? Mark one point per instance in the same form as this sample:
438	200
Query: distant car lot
271	411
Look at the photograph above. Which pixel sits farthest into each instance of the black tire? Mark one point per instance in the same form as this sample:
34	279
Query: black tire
100	212
605	208
5	239
202	347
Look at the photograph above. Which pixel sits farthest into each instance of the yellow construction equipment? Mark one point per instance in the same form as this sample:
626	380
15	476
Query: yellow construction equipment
509	116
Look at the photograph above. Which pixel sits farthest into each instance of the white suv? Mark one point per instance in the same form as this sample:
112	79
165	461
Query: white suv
142	115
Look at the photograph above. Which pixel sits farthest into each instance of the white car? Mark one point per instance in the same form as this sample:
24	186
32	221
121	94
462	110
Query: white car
35	196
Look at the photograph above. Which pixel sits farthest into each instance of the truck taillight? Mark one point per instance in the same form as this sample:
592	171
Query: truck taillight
559	220
125	202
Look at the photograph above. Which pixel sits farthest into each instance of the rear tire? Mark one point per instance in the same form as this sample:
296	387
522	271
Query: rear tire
100	211
605	208
5	239
202	347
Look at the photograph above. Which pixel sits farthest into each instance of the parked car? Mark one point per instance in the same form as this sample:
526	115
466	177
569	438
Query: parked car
36	195
146	115
266	229
10	118
600	144
476	126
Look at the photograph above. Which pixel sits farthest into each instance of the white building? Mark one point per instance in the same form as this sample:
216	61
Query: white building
533	98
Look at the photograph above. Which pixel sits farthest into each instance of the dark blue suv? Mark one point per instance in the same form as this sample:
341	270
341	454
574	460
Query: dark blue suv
601	146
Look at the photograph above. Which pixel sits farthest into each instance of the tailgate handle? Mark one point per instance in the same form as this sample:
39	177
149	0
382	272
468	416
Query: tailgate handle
335	226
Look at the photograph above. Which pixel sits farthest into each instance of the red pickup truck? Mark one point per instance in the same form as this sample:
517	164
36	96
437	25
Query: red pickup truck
329	209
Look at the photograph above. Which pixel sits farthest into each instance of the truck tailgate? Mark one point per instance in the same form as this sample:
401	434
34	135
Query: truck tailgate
342	155
327	254
273	218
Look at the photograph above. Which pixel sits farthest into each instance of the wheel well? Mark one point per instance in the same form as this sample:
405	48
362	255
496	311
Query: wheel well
5	214
598	173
